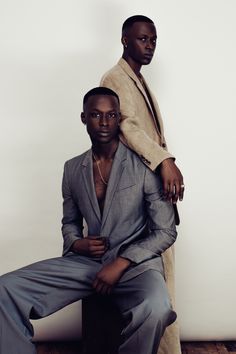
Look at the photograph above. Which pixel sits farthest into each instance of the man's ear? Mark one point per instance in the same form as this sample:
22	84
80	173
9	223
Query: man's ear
83	118
124	41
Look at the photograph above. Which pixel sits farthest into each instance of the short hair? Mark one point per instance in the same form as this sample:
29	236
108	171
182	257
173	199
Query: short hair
131	20
99	91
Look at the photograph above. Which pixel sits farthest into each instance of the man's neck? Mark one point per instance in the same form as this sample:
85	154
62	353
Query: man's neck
136	67
105	151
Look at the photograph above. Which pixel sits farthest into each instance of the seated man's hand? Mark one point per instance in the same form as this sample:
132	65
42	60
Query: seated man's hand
90	246
173	183
109	275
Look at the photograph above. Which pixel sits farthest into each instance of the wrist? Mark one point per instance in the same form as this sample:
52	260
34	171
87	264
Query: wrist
76	246
167	161
123	263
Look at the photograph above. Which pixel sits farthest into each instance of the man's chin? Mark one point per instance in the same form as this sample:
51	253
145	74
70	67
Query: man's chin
146	61
104	140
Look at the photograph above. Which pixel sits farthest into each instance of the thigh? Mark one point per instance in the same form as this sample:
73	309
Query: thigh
51	284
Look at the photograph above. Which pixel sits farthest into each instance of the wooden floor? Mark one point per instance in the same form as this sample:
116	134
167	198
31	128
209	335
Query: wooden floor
59	348
208	347
187	348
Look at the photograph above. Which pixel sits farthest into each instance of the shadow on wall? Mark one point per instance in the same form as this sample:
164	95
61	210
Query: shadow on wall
63	325
17	253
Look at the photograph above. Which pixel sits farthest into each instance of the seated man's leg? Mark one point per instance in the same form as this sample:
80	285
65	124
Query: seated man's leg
37	291
145	306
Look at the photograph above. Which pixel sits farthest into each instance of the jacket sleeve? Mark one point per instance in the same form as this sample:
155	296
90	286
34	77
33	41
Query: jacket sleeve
72	221
161	233
150	152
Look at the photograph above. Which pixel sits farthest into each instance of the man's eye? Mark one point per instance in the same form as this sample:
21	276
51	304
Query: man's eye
112	115
95	115
154	41
143	39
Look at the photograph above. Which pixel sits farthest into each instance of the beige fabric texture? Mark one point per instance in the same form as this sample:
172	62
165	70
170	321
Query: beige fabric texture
139	127
139	123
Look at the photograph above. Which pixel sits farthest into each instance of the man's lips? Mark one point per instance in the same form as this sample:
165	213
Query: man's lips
148	55
104	133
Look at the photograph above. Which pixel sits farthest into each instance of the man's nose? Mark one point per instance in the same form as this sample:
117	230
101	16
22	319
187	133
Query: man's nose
103	120
149	44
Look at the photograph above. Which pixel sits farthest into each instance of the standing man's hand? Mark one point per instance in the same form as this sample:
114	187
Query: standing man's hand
94	246
173	183
109	275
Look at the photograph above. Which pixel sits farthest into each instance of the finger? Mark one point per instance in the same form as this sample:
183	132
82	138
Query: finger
97	254
165	189
93	251
97	242
109	289
97	248
171	191
181	193
95	283
104	239
99	287
176	194
104	289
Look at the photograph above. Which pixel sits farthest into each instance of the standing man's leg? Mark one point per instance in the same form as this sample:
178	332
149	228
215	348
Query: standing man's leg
170	342
37	291
145	306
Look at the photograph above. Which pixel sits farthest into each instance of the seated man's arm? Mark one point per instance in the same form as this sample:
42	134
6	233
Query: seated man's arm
72	221
161	223
162	234
110	274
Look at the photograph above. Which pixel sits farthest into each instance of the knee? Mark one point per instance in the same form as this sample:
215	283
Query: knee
6	282
3	281
8	289
162	312
3	289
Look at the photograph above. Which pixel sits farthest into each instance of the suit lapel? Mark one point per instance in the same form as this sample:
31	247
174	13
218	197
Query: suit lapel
87	172
125	66
141	88
153	106
115	176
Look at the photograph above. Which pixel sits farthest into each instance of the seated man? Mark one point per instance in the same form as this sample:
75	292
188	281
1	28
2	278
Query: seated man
129	226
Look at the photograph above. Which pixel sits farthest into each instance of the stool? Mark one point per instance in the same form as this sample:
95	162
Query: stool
102	324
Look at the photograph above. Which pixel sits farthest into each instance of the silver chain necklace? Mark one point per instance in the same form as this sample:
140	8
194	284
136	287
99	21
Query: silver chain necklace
99	171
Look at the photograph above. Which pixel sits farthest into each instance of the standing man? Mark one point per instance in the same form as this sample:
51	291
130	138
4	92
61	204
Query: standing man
142	129
129	226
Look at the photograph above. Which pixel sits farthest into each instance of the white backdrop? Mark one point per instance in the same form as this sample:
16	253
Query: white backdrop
51	53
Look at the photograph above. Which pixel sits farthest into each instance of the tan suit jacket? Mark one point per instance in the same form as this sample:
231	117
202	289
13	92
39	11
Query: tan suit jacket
141	126
142	130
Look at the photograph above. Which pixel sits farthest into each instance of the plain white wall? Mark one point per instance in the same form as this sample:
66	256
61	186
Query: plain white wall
51	53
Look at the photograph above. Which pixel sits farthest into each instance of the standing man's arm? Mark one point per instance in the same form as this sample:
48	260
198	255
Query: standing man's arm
151	153
135	136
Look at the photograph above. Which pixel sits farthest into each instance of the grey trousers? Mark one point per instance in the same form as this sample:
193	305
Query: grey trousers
44	287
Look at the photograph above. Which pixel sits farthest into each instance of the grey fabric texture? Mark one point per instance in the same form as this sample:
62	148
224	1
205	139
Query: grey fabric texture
139	225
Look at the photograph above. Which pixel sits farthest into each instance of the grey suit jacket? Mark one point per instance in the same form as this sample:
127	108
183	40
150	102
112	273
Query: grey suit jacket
138	222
